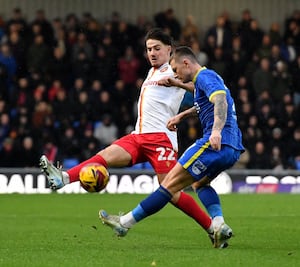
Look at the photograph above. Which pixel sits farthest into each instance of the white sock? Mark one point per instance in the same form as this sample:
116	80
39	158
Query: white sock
217	221
210	229
65	177
127	220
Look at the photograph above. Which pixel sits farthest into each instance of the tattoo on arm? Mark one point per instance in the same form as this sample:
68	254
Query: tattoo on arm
220	111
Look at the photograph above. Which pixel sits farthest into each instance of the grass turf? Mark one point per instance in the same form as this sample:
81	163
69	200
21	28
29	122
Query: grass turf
64	230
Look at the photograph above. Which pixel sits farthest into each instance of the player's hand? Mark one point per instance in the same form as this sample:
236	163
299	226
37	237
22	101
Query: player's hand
172	123
215	140
170	81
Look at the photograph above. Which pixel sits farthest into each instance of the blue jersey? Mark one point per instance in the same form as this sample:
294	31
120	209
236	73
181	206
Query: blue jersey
207	84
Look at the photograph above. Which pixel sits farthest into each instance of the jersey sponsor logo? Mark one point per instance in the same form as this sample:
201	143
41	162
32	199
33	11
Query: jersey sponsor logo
198	167
147	83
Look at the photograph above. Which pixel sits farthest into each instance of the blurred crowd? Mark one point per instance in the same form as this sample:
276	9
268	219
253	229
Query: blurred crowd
69	86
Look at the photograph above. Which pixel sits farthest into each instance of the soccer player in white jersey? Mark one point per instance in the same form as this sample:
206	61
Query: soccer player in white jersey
151	140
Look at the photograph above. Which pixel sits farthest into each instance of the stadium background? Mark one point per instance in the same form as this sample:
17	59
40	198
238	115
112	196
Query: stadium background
205	13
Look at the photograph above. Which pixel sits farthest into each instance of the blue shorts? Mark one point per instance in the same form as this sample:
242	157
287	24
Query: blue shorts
201	160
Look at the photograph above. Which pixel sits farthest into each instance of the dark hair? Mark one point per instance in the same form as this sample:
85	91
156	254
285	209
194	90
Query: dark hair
184	51
160	35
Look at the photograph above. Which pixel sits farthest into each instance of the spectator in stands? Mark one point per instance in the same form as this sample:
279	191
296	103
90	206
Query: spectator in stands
253	37
106	132
9	61
290	117
199	53
5	127
82	66
218	63
262	77
28	153
168	21
276	159
38	55
125	36
259	157
128	67
94	91
17	22
275	56
50	149
102	67
295	72
62	107
82	106
105	106
293	148
79	85
18	48
70	143
253	133
221	34
237	65
244	24
264	50
59	67
5	94
93	32
282	81
90	144
82	46
190	32
46	27
125	99
275	34
8	153
23	94
292	33
41	111
71	23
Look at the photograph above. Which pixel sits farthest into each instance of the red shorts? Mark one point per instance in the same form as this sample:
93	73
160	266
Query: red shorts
153	147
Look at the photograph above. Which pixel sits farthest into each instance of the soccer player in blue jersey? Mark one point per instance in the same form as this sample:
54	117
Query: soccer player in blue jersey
218	149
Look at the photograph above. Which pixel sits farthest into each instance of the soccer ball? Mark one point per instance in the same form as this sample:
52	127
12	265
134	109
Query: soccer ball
93	177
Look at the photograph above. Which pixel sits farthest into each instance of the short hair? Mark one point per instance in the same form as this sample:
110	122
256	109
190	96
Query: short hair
184	51
160	35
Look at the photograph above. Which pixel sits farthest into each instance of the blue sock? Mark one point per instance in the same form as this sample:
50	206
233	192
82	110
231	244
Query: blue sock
152	204
210	200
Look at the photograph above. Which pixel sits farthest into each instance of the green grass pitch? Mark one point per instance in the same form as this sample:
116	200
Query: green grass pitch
64	230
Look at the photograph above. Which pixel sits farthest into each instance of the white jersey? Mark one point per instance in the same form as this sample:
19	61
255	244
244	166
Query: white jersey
157	104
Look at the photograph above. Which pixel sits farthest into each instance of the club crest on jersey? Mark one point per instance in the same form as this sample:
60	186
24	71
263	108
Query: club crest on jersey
196	105
164	69
198	167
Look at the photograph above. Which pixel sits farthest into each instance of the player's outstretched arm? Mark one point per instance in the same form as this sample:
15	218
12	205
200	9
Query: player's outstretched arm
170	81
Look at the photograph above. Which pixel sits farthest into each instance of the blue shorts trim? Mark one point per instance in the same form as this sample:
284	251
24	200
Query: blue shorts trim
201	160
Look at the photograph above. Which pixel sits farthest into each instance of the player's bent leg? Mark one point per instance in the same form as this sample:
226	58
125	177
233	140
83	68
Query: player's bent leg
115	156
155	201
210	199
187	204
111	156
